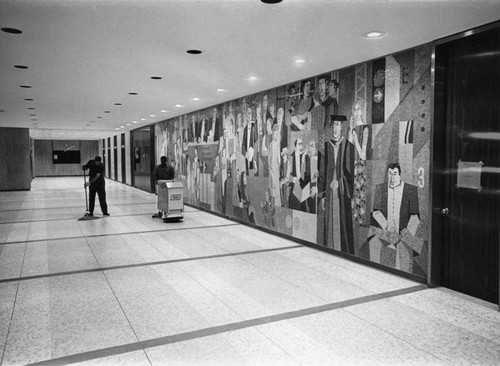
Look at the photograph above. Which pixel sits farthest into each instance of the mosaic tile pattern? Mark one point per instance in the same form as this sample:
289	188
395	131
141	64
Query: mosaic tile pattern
264	158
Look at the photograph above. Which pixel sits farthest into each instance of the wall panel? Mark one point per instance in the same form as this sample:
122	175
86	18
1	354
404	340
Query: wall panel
15	165
44	166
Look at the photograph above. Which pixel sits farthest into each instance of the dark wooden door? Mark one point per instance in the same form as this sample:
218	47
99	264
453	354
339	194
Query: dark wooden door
115	156
466	189
124	165
108	160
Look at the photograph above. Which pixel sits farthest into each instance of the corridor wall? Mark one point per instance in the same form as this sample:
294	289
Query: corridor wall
45	161
339	160
15	166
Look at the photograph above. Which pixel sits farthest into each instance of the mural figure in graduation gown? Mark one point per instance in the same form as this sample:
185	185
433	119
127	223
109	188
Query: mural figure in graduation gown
336	185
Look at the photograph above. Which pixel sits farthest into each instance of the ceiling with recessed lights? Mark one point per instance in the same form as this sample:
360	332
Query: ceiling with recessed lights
81	69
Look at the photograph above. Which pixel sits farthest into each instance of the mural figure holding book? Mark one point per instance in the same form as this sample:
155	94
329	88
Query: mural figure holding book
300	178
395	220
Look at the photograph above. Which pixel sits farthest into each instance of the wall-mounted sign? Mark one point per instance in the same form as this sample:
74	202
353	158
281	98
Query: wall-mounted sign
469	174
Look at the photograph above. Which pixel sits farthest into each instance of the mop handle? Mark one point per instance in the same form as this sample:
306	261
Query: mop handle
85	185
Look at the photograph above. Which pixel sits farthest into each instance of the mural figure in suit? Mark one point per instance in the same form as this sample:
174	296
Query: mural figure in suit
395	220
301	114
300	178
336	186
250	139
203	129
331	101
215	129
193	129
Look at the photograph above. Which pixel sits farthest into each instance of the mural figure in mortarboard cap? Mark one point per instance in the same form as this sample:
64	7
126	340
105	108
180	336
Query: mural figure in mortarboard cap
336	184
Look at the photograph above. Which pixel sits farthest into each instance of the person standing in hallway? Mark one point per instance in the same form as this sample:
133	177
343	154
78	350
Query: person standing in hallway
163	171
96	184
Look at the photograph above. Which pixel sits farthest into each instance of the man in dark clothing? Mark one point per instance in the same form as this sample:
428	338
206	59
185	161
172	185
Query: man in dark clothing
163	171
96	185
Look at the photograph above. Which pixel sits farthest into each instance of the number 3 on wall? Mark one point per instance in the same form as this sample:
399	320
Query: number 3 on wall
421	178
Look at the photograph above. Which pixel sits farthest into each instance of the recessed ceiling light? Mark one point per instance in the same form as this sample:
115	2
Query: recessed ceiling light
134	122
99	117
116	128
164	111
374	34
31	108
26	86
196	99
107	111
179	105
122	126
221	90
271	1
193	52
128	124
300	61
20	67
12	30
118	104
143	119
132	93
152	115
34	119
253	78
156	77
28	99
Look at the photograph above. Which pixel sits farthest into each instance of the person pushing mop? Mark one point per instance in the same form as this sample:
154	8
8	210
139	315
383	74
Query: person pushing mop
96	184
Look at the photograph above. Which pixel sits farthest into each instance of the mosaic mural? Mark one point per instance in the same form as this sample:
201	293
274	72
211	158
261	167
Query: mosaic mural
340	160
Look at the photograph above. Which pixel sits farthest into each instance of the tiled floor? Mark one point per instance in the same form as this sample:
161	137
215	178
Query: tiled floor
132	290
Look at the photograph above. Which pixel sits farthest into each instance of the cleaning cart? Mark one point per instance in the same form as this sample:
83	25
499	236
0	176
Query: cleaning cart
171	199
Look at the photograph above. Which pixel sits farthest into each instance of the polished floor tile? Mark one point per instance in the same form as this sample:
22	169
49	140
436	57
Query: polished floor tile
8	293
56	256
186	242
120	250
136	358
11	260
14	232
85	315
46	230
17	216
449	342
30	328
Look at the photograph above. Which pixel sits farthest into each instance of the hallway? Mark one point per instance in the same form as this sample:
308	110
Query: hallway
131	290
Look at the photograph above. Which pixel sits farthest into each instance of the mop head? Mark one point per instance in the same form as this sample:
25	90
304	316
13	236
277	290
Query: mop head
87	217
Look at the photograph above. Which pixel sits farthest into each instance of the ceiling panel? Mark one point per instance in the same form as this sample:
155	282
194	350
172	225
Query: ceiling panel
84	57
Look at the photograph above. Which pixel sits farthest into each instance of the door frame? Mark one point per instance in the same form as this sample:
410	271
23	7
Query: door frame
434	263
